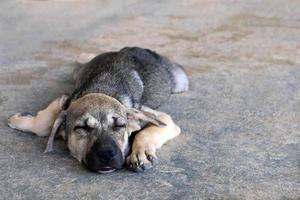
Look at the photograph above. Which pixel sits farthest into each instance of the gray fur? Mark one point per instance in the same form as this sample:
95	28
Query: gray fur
134	76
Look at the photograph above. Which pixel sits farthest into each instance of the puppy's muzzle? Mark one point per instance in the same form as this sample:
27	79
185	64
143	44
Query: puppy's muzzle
104	156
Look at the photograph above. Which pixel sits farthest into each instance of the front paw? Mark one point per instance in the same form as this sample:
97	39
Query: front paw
141	159
15	120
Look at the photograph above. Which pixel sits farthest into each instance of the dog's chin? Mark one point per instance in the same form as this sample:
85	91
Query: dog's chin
106	170
102	170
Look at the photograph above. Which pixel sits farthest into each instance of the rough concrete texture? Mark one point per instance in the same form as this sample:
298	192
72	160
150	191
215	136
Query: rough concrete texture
240	119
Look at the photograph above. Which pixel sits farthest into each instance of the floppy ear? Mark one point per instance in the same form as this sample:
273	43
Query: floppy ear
136	117
55	130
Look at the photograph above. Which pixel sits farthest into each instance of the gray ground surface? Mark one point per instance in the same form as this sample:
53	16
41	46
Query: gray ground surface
240	119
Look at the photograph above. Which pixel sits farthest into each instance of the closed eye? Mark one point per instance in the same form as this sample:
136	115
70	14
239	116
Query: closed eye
119	123
82	127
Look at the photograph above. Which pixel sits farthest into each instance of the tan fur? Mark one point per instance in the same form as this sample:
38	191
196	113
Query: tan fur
84	58
149	139
42	123
79	147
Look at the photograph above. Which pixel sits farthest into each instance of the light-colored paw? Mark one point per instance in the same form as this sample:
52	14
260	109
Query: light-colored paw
17	121
141	159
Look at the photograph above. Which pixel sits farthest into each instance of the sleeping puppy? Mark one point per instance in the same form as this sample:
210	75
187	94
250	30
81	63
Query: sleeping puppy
115	95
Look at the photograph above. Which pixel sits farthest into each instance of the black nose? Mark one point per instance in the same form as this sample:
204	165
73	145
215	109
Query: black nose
104	155
107	153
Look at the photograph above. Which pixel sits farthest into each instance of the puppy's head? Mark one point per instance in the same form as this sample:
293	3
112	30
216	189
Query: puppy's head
97	128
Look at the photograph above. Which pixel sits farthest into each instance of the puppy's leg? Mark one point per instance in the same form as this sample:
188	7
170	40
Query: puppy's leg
84	58
42	123
148	140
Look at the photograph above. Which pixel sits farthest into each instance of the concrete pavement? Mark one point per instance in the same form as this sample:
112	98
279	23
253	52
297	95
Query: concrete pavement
240	120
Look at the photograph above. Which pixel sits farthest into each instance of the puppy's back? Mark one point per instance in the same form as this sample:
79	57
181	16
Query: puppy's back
134	76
